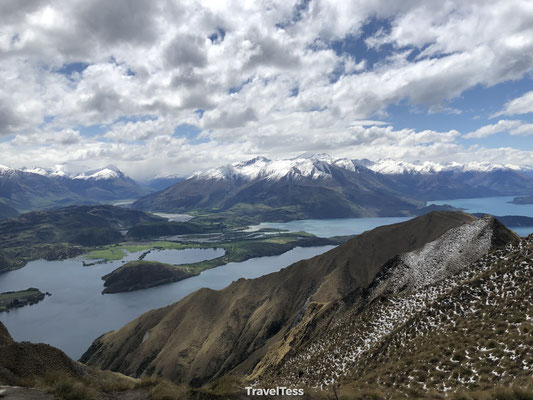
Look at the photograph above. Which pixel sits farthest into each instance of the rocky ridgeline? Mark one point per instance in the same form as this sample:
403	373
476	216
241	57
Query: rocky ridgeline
470	330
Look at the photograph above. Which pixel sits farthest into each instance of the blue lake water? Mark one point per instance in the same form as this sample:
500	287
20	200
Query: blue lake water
332	227
494	206
350	226
77	312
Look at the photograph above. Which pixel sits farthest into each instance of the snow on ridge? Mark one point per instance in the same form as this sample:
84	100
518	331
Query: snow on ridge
394	167
109	172
103	174
419	279
441	258
315	166
36	170
4	169
482	166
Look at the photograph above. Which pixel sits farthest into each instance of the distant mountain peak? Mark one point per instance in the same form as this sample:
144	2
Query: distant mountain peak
50	172
312	166
315	156
101	174
390	166
4	169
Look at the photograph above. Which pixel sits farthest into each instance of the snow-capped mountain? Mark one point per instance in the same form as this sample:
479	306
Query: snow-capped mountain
5	170
316	186
106	173
395	167
337	187
45	171
433	181
312	167
316	166
36	188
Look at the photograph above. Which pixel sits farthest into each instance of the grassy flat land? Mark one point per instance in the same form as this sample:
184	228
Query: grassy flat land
118	251
141	274
243	250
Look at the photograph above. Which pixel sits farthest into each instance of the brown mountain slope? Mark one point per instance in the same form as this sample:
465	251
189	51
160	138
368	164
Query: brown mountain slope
210	333
469	332
483	338
40	371
341	338
20	361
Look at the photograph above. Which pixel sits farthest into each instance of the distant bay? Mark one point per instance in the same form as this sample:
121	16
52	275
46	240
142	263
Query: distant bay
498	206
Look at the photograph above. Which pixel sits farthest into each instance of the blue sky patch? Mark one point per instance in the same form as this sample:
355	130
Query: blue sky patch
190	132
69	69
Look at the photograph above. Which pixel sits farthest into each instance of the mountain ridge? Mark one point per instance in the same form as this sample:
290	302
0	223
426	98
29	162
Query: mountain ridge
210	333
30	189
320	186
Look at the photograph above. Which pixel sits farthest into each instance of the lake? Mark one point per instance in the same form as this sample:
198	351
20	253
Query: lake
77	312
494	206
331	227
355	226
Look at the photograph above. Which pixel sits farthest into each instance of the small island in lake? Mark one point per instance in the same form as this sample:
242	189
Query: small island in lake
21	298
142	274
522	200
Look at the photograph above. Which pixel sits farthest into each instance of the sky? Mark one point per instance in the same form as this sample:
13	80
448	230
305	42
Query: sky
166	87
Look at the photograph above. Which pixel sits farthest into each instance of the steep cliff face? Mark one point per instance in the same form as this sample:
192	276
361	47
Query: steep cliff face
210	333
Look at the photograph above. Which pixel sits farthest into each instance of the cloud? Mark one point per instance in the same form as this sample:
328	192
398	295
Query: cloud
520	105
9	121
487	130
66	137
255	77
186	50
513	127
525	129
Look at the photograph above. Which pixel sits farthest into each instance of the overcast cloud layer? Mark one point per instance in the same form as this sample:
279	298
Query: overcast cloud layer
169	87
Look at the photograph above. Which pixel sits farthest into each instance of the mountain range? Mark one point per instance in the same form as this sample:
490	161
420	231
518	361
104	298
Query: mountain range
437	304
37	188
432	181
320	186
309	186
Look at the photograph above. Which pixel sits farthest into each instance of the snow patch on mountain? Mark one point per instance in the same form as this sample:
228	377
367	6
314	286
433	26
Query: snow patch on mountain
318	166
103	174
307	166
49	172
439	259
410	284
5	170
394	167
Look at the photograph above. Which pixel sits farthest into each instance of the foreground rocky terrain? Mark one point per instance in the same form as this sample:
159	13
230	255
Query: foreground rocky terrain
470	330
398	311
436	307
